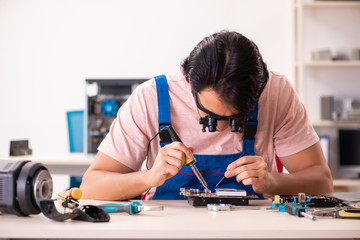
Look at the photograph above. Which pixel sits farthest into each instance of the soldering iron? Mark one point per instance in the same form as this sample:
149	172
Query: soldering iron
188	161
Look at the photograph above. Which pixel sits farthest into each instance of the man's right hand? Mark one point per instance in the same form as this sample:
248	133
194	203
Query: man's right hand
168	162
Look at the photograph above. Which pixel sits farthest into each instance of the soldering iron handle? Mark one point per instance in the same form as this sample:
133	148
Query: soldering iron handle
175	137
173	134
189	161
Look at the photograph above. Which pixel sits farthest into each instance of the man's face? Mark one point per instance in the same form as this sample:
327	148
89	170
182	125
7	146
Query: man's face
211	100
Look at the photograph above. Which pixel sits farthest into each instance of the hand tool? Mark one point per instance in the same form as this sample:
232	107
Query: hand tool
188	161
220	180
295	210
325	212
348	213
337	212
242	154
131	208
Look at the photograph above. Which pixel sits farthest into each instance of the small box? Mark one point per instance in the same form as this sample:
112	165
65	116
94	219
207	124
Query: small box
322	55
343	54
327	107
20	148
355	54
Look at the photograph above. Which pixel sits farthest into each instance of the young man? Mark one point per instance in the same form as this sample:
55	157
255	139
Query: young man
248	114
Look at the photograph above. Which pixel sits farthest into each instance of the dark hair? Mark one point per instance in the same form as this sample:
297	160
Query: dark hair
230	64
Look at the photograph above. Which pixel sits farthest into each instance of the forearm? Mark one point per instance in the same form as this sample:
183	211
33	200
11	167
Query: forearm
105	185
312	180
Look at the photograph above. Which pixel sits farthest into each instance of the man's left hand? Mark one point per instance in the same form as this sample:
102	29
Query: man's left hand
252	170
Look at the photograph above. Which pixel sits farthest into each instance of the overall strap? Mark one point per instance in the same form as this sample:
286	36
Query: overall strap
250	132
163	108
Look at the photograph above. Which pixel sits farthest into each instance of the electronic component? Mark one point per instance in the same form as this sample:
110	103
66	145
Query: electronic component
313	201
109	107
202	198
230	192
70	198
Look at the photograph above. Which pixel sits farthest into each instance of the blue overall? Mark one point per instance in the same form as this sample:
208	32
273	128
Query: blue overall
212	167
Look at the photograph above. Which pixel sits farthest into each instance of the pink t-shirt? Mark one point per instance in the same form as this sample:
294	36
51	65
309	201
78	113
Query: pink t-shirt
283	125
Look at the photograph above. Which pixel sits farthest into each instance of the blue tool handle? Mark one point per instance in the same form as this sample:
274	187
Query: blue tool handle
293	209
131	208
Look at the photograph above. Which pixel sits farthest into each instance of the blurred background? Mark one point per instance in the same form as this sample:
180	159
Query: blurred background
49	48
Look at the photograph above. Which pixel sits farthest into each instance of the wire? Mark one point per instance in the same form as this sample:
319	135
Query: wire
147	160
148	149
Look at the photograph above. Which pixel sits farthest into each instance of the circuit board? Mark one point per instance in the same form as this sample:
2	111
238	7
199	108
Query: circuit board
313	201
198	198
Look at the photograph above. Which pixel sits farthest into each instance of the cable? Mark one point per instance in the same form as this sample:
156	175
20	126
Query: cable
147	160
148	149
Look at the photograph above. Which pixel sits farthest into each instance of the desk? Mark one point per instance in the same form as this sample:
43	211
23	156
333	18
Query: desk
181	221
57	163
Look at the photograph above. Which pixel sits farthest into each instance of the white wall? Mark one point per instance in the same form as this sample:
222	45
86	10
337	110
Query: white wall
48	49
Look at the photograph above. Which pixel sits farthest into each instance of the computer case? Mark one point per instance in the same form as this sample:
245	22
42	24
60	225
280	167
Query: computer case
104	97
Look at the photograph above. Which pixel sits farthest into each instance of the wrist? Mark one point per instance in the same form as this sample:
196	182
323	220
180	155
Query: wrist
148	179
271	183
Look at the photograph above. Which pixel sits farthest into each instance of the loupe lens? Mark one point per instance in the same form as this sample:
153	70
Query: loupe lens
234	125
212	124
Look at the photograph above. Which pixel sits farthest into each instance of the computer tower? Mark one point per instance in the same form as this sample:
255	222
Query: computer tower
104	97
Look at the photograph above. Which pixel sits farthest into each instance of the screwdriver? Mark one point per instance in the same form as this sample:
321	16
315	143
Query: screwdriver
295	210
188	161
131	208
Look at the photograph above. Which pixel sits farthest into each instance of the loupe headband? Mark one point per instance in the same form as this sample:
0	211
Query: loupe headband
214	115
210	120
